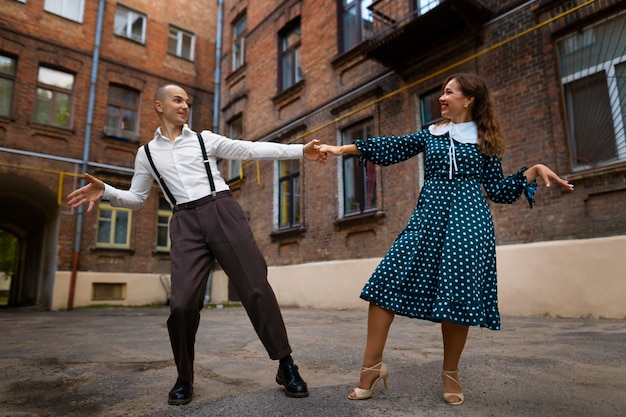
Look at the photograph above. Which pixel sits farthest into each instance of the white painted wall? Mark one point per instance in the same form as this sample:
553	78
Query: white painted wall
571	278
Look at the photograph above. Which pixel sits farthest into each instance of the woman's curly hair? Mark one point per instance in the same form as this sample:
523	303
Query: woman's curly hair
490	138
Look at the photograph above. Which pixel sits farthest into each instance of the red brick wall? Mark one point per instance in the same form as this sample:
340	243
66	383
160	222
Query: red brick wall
526	91
37	37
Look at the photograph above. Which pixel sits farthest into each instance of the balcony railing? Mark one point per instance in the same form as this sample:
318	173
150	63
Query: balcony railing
389	15
402	30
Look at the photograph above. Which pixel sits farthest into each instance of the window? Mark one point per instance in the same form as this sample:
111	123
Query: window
122	112
359	180
356	23
289	193
593	74
69	9
130	24
113	226
8	67
54	97
235	131
163	226
423	6
430	107
101	291
289	60
239	43
181	43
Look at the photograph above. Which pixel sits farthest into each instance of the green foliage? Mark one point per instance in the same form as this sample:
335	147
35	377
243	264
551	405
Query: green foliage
8	252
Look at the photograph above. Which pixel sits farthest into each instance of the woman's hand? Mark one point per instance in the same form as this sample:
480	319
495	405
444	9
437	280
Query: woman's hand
90	193
339	150
547	175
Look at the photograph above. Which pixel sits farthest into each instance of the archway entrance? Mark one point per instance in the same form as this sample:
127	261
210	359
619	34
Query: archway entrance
29	219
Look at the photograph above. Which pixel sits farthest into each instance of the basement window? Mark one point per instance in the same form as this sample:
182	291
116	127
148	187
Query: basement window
101	291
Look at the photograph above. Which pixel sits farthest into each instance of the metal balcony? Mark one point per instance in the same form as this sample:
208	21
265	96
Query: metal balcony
400	35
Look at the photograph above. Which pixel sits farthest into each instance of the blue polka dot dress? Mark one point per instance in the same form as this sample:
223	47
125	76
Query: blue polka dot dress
442	266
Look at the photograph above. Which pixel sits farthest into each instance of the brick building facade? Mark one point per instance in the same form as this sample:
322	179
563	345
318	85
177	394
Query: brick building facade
78	81
376	68
509	43
290	71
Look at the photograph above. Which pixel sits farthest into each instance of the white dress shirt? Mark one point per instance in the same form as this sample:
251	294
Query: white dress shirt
181	165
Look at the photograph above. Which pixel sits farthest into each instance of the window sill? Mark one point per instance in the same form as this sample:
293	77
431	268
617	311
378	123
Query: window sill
184	58
368	217
349	58
236	75
606	170
43	127
117	136
287	96
288	233
129	251
138	42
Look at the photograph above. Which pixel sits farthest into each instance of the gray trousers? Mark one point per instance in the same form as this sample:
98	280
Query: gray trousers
217	228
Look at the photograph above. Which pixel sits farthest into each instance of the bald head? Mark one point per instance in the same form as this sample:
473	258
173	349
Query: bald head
162	92
171	104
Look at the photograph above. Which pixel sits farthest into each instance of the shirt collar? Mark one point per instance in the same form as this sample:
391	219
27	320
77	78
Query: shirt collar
463	132
186	132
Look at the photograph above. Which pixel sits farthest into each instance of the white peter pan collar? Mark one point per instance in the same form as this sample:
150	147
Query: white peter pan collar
462	132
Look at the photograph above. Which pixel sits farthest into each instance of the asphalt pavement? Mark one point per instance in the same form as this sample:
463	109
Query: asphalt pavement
118	362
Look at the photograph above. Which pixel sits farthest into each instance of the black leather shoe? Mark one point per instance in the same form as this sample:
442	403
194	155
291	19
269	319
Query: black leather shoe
181	393
289	377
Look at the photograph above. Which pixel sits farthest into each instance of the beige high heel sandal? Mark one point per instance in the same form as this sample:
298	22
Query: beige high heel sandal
364	393
459	395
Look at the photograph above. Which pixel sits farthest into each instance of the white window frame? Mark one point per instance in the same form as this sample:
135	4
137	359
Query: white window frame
129	16
235	131
574	43
178	35
239	42
424	6
64	7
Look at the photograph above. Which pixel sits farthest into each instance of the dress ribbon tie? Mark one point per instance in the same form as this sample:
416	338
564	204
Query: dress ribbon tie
452	159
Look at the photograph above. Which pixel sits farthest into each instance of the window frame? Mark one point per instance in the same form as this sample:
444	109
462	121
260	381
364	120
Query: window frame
429	103
127	31
105	206
290	201
121	107
421	7
361	173
163	228
239	42
59	8
11	80
55	92
291	53
180	42
350	39
582	41
233	171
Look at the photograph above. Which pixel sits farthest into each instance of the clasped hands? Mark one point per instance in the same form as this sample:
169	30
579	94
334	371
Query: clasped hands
316	151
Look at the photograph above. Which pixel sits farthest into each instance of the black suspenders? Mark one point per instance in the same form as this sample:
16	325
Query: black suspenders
206	164
164	186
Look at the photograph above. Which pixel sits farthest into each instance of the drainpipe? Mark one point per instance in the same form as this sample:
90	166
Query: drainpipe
85	163
216	109
218	74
